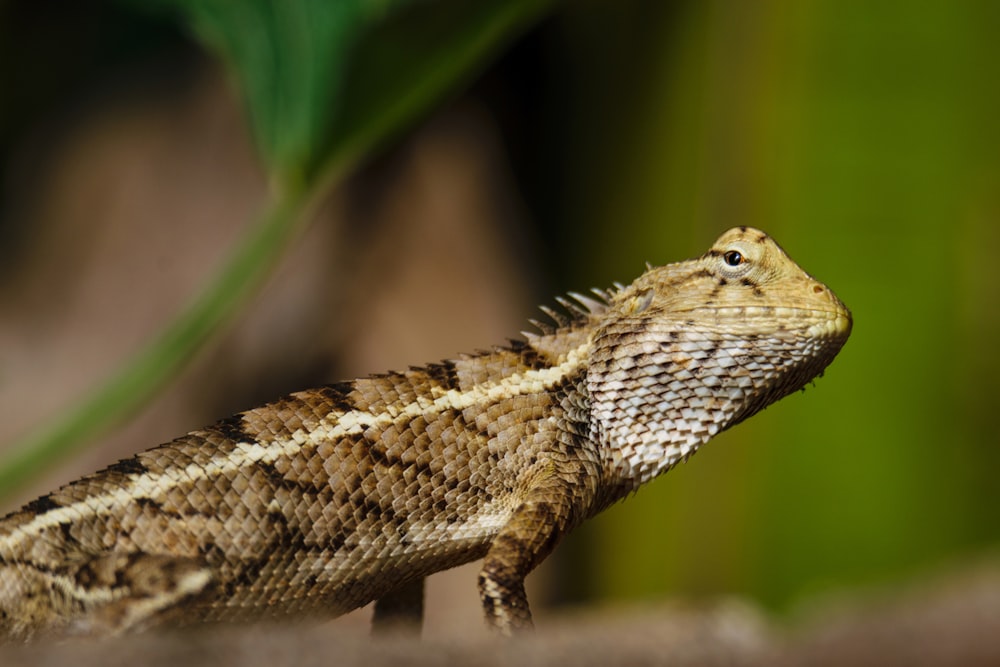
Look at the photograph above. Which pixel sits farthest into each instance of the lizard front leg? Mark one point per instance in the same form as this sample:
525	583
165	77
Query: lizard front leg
533	530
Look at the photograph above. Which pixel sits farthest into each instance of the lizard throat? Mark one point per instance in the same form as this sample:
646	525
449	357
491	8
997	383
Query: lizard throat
676	397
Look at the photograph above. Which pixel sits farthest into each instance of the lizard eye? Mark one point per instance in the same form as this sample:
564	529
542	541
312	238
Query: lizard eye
733	257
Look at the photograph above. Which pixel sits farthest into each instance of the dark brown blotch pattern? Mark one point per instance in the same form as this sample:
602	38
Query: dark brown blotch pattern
314	530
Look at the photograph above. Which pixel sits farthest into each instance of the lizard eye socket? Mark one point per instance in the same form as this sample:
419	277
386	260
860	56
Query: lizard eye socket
733	257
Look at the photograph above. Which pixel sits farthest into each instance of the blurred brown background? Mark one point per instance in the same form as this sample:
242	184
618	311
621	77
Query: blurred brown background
862	136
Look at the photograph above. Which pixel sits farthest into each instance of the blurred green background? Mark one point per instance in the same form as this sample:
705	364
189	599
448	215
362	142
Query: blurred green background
863	136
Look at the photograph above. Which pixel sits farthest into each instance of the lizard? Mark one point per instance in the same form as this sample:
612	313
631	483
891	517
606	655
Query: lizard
328	499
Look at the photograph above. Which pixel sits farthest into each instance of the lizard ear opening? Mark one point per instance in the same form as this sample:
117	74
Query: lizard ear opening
638	302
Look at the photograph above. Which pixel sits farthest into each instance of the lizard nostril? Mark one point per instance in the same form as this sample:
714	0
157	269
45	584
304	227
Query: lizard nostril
817	288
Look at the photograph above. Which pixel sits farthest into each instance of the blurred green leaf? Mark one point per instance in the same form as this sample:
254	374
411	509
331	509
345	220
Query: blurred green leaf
314	74
289	59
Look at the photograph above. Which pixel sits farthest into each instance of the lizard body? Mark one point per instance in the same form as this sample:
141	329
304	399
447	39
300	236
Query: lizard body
330	498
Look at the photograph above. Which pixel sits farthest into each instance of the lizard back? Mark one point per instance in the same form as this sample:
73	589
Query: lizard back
298	505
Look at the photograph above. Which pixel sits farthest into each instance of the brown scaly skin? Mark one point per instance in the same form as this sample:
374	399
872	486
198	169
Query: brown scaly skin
330	498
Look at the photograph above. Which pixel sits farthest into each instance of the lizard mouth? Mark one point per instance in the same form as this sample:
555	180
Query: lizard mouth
838	324
841	316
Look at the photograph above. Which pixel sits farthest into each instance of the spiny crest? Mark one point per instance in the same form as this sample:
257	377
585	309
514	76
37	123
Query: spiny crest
577	310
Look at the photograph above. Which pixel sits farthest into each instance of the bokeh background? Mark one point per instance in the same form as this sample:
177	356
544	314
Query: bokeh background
864	136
